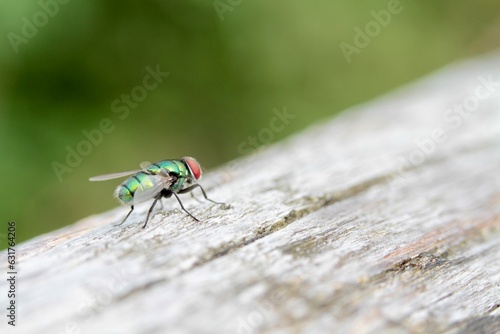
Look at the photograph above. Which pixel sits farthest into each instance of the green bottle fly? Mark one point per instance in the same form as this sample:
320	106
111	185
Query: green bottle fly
158	180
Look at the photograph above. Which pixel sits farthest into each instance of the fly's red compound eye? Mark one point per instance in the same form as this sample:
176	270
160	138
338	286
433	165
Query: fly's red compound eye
194	167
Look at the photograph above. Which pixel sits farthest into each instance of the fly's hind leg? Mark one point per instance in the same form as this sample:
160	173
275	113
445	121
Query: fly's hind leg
128	214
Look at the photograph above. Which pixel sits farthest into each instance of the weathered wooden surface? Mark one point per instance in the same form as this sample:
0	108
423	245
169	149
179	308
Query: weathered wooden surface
328	232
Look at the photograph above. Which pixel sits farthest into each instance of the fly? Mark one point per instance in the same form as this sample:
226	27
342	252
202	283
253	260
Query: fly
158	180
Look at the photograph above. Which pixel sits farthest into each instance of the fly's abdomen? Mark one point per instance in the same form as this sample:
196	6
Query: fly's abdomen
125	191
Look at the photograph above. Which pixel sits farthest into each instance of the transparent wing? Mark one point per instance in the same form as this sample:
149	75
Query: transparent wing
113	176
148	190
145	164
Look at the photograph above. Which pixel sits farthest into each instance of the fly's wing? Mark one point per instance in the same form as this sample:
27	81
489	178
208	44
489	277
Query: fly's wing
148	190
145	164
113	176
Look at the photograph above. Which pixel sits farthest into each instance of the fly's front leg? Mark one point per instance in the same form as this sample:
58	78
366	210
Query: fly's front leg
188	189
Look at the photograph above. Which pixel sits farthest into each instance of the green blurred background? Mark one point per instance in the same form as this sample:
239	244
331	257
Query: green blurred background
230	63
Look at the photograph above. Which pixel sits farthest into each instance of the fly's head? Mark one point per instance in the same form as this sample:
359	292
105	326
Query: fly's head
194	169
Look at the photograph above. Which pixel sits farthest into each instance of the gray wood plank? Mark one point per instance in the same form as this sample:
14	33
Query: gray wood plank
382	220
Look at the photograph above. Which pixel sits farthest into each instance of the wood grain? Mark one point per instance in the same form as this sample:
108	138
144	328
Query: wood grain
330	231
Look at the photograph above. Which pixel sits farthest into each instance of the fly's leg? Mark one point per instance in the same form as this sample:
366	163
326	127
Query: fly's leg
157	198
128	214
202	190
182	206
192	195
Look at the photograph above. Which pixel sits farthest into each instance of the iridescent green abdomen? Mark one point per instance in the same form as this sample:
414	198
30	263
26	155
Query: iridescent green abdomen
125	192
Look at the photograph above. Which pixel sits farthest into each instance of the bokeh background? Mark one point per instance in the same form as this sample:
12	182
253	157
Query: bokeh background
230	64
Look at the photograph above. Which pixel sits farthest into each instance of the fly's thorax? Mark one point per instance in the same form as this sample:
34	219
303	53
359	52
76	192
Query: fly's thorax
173	168
125	191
